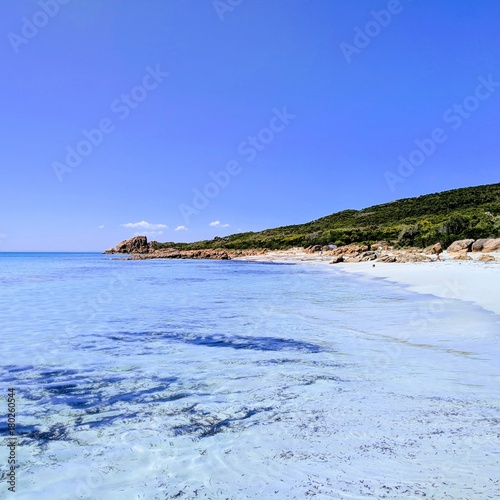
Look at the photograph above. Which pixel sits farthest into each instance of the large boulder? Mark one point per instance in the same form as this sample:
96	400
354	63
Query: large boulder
435	249
492	245
352	249
352	258
314	249
387	258
478	245
137	244
337	260
460	245
412	257
367	256
380	245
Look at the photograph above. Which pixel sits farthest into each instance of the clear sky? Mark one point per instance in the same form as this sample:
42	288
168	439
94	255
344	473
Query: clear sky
185	120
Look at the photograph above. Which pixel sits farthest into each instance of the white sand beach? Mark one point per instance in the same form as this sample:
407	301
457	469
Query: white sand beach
476	282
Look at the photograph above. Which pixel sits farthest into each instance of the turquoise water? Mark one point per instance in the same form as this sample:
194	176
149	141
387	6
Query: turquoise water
201	379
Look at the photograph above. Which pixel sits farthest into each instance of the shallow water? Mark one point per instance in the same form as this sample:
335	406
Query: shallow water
200	379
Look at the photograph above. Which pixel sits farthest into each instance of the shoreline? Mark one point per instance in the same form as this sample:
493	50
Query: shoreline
469	281
473	282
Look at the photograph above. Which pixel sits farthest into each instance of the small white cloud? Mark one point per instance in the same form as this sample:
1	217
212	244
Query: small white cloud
101	226
181	228
144	225
217	223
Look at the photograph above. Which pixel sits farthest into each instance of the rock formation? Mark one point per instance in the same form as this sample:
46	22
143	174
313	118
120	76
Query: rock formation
337	259
478	245
412	257
435	249
139	248
387	258
460	245
492	245
486	258
481	245
462	256
137	244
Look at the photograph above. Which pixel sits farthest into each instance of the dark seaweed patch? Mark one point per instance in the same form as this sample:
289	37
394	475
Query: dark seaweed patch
206	425
89	395
254	343
15	369
61	389
173	397
217	340
166	380
136	396
57	432
106	420
57	373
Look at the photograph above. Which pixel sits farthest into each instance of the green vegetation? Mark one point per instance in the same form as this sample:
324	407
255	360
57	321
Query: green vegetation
441	217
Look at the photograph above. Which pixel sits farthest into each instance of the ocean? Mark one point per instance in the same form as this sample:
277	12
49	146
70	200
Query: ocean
186	379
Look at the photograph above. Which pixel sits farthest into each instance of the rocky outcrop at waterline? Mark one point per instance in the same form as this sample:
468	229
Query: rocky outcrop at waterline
138	248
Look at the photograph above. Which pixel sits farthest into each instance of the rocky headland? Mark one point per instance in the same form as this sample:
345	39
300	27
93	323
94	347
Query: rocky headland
138	248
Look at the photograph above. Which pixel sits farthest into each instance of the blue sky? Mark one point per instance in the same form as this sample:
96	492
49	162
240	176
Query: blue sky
186	120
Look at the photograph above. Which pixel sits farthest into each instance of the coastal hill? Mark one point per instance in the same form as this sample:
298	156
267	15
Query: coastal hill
472	212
